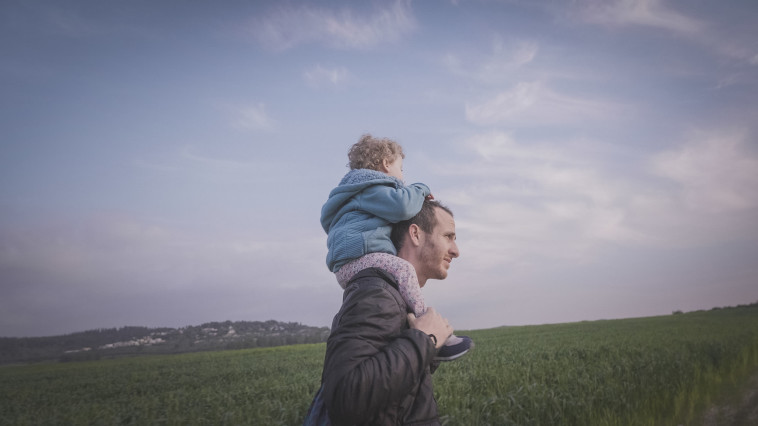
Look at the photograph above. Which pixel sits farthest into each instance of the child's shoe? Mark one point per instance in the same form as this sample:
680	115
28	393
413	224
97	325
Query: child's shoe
454	347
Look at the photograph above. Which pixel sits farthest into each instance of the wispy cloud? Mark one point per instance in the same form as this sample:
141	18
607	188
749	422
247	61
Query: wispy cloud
112	260
649	13
54	19
223	172
504	59
252	117
319	76
202	161
536	201
727	46
715	173
288	27
529	103
209	166
75	20
658	14
543	200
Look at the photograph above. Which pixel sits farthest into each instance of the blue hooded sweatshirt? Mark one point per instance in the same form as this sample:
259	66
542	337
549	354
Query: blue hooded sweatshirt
360	211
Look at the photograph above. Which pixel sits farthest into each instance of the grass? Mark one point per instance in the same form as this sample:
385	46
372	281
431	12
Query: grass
646	371
258	386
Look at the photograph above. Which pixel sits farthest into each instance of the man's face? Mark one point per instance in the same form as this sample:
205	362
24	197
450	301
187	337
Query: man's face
438	248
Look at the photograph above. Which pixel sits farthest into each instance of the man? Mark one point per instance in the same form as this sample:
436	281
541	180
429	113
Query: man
377	368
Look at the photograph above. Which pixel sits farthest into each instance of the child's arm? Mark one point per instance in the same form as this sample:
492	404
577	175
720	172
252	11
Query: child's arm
394	204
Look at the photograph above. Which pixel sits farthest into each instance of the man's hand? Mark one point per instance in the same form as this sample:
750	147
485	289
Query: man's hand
432	323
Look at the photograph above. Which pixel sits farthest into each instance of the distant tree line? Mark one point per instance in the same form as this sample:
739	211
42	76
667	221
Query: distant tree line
716	308
126	341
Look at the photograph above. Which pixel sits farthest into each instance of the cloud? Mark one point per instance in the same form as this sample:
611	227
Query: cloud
51	19
508	56
648	13
288	27
533	103
132	271
702	193
725	40
221	173
319	76
529	202
253	117
503	60
727	45
196	160
188	173
715	173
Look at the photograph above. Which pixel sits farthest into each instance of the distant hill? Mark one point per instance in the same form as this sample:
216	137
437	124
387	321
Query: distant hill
124	341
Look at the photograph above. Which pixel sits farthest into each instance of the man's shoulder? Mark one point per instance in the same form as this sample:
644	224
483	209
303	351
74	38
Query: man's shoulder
373	275
374	283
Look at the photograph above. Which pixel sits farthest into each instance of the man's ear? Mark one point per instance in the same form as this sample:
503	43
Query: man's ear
414	234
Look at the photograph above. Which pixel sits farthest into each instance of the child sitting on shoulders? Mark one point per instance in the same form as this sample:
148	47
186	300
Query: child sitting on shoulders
358	218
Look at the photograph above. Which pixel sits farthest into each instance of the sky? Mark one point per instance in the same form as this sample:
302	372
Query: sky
164	164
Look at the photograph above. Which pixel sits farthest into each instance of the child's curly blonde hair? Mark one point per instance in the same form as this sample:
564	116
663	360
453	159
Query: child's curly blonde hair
370	152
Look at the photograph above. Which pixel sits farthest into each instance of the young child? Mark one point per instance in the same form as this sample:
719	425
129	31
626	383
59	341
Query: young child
358	218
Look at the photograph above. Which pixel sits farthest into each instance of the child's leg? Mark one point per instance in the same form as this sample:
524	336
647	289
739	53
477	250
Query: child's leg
402	270
405	275
348	270
407	281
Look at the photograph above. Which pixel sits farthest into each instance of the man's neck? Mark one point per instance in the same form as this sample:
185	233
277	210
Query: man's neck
421	278
410	257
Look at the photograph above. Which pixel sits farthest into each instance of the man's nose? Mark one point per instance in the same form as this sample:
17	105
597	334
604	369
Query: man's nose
454	250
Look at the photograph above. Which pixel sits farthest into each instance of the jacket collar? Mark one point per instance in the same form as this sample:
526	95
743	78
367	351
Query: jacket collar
374	272
358	176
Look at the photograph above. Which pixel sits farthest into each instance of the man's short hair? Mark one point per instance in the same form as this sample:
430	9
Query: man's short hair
426	219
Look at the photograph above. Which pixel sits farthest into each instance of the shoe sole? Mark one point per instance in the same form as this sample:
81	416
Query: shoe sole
456	356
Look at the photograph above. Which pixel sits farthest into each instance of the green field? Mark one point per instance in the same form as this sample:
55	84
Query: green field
646	371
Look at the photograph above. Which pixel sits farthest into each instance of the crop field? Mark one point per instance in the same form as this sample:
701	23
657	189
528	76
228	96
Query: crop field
645	371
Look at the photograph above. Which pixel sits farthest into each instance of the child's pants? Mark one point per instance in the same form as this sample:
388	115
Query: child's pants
402	270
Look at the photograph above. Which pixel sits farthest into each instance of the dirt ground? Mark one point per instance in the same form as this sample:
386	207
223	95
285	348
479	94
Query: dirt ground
742	411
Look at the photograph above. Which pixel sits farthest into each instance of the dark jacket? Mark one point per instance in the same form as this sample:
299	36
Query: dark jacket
377	370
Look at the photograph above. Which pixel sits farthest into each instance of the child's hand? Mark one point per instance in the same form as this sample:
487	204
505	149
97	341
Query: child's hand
432	323
430	197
